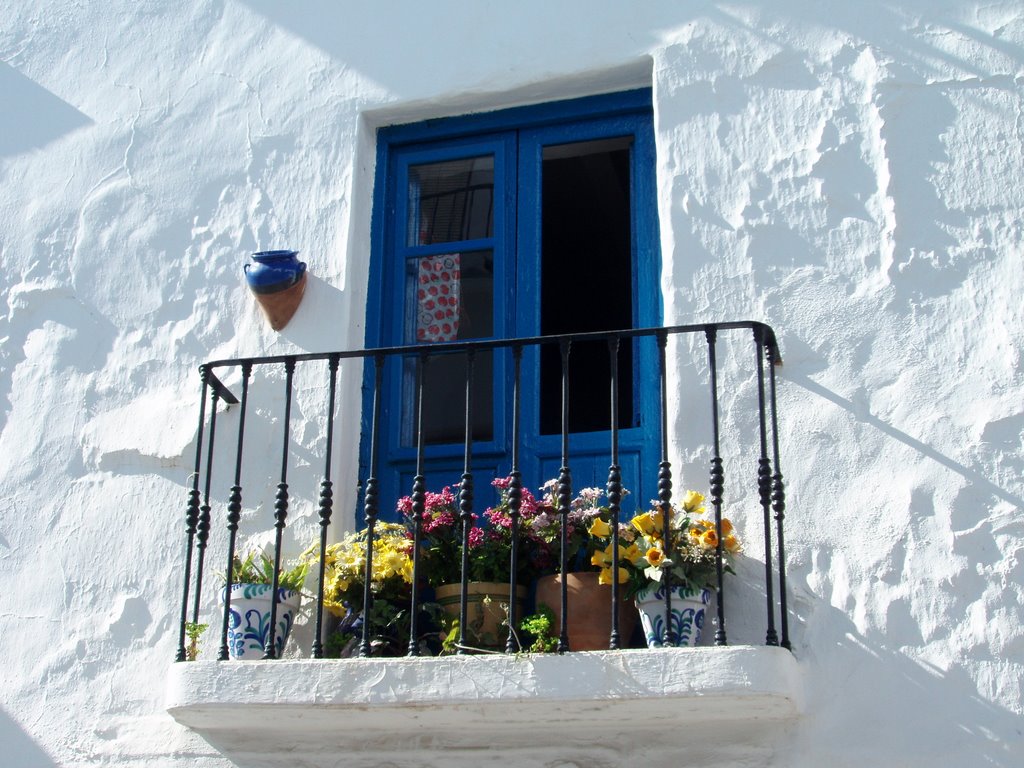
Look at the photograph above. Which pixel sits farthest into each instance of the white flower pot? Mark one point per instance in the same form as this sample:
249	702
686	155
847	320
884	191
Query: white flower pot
249	619
688	606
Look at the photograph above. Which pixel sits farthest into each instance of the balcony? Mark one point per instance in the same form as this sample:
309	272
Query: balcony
309	710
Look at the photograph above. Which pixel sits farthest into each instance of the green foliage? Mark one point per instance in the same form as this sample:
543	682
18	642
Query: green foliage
539	629
389	636
193	632
450	642
257	568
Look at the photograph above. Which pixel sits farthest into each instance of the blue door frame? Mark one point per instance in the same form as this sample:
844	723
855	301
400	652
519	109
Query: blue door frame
515	138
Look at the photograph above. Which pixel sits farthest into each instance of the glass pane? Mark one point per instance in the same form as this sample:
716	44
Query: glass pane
587	249
449	297
444	399
452	200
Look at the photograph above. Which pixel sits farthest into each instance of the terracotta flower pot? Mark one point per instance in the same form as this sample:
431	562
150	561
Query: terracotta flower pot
590	610
486	615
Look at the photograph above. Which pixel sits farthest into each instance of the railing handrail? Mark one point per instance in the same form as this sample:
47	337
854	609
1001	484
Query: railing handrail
770	484
769	339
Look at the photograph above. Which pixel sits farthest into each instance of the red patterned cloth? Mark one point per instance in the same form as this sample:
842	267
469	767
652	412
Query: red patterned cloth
437	296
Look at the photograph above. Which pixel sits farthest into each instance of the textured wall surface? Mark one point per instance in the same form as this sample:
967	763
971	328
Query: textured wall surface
849	173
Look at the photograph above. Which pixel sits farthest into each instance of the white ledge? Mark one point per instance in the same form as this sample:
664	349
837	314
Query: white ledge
264	713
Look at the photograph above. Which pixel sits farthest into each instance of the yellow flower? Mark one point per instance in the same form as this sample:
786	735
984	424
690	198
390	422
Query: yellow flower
692	502
649	523
709	539
654	556
731	544
604	558
633	554
726	526
605	577
599	528
391	563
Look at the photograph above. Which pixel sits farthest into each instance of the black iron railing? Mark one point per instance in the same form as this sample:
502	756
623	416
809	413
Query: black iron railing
769	479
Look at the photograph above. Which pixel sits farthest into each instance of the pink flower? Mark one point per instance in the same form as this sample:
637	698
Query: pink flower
528	504
435	520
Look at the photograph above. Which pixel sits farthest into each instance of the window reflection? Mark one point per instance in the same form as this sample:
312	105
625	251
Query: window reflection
452	200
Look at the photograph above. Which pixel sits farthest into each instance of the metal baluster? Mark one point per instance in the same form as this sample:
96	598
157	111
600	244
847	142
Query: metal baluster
614	487
466	504
203	530
419	493
564	497
778	496
764	482
326	509
234	511
371	504
192	514
515	498
665	488
717	483
280	512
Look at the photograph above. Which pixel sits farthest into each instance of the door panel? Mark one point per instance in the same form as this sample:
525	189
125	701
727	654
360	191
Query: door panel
583	234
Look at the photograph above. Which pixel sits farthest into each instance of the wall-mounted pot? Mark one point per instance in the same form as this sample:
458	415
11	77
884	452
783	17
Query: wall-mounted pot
278	280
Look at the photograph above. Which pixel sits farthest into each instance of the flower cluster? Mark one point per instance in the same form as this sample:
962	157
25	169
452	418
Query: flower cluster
440	534
588	522
645	554
345	569
490	540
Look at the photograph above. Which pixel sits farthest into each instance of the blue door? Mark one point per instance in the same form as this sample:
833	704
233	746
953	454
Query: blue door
532	221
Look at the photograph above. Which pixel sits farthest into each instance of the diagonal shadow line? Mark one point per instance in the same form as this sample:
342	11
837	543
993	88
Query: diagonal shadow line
32	116
967	473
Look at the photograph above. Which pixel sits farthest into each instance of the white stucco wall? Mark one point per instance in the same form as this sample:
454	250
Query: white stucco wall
849	173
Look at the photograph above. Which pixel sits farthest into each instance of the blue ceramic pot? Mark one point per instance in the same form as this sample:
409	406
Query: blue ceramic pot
274	271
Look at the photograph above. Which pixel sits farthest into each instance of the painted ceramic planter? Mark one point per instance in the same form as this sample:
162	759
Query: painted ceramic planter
278	280
688	605
249	619
590	610
485	611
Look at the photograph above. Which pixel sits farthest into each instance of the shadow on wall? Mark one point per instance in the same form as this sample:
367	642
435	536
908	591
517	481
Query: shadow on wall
32	117
979	482
892	698
411	52
354	35
19	748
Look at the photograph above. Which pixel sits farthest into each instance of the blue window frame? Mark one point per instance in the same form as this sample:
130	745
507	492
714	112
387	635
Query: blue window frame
520	222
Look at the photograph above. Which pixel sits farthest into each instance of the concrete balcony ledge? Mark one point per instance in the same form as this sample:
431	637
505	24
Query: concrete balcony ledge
420	711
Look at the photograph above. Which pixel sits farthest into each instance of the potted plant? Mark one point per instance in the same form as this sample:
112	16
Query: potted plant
251	589
685	559
489	558
390	587
588	594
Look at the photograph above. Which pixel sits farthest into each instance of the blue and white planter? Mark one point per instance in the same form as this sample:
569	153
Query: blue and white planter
688	604
249	619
